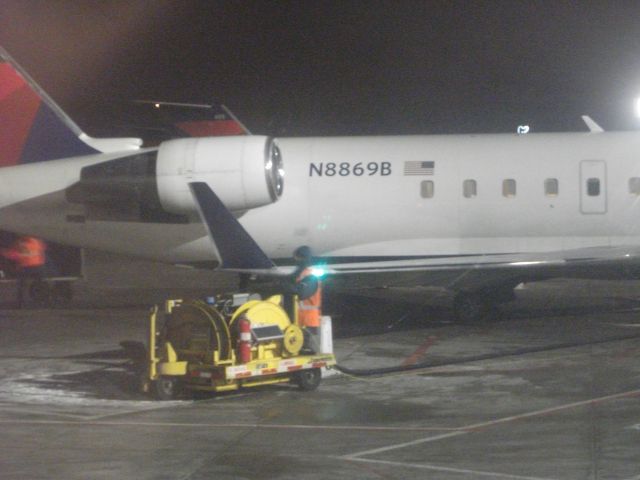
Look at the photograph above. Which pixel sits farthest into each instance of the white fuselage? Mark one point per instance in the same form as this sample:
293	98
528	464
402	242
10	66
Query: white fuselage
376	215
350	197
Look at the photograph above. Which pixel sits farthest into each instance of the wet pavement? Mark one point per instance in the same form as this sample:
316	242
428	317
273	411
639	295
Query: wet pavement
70	409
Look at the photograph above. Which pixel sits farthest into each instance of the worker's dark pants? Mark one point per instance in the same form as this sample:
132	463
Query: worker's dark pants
288	305
312	339
27	276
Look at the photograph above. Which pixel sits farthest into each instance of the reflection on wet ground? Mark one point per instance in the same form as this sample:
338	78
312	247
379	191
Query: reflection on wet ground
70	407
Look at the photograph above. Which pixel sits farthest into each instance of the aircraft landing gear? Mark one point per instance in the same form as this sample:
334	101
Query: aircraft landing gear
472	307
478	306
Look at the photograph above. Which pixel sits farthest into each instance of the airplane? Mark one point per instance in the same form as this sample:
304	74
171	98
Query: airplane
474	214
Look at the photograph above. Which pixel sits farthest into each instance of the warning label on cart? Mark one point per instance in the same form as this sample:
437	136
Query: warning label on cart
278	366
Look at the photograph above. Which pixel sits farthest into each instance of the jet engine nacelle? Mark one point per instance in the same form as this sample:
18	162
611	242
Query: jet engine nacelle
245	171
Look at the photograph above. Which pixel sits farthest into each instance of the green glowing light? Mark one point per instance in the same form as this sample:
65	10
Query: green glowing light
318	272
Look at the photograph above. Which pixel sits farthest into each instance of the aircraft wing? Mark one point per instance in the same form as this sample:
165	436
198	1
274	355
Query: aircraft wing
232	244
472	272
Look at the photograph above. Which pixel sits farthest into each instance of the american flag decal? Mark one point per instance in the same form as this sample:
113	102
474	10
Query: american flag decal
419	168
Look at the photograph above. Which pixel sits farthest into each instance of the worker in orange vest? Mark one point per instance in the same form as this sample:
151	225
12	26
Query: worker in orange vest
28	254
308	288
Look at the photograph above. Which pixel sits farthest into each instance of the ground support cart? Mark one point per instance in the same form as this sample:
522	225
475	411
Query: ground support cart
234	342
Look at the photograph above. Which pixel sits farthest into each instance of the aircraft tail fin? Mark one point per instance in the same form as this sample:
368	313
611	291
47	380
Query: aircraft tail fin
33	128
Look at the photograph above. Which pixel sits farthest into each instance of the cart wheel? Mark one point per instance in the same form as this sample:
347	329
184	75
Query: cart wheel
166	388
308	380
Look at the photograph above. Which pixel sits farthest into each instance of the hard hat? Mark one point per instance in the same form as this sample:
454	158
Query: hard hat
302	253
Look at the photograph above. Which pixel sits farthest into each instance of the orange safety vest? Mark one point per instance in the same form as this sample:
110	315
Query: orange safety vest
29	252
309	308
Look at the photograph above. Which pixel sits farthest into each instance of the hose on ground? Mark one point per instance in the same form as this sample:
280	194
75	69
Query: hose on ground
477	358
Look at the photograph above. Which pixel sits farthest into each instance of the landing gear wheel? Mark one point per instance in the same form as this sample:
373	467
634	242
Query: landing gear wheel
308	380
40	292
471	307
166	388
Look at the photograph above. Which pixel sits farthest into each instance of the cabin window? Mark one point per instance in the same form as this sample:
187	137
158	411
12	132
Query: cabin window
426	189
509	188
634	185
469	188
593	187
551	187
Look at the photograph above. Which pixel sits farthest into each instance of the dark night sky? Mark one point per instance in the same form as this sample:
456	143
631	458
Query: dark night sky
343	67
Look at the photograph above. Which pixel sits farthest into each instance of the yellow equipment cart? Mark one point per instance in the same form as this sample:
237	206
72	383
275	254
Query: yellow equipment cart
235	342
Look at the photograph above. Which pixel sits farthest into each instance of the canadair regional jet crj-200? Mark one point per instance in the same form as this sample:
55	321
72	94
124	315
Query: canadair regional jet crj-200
477	214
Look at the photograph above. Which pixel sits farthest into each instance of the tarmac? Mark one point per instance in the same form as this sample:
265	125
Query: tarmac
555	396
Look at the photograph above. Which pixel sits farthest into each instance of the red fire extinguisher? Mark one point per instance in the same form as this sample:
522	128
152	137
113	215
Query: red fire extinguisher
244	340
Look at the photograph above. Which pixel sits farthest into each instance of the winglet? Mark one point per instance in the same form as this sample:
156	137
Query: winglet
237	249
591	125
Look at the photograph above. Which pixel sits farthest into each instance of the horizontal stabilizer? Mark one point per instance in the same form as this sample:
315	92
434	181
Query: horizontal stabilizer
237	249
108	145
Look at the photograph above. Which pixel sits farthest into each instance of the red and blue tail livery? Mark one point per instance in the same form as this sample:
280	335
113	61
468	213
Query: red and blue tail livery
32	127
157	121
